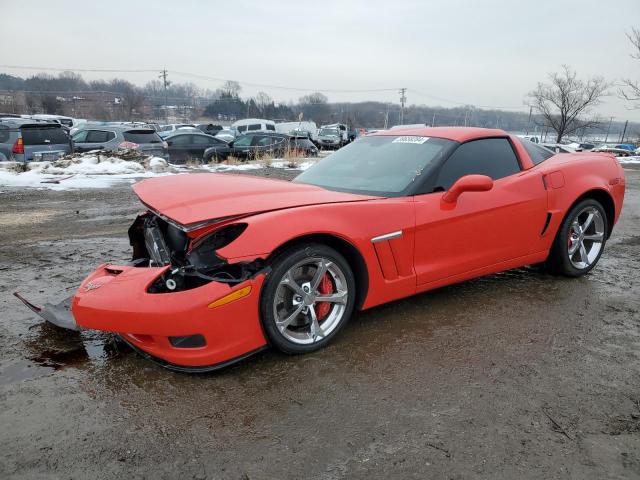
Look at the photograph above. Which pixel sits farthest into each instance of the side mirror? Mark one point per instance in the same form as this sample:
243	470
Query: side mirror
468	183
169	143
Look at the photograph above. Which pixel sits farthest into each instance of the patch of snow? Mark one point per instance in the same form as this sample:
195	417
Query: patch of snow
102	170
629	160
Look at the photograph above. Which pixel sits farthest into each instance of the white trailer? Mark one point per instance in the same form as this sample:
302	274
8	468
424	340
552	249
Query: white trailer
251	125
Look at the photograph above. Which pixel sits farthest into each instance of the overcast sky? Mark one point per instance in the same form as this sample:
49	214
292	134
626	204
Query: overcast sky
488	52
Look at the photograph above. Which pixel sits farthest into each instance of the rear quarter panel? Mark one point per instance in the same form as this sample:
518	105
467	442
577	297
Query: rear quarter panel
570	176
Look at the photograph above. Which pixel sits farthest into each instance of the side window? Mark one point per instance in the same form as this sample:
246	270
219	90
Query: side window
271	127
266	141
242	128
180	140
4	134
493	157
255	126
81	136
537	153
202	140
98	136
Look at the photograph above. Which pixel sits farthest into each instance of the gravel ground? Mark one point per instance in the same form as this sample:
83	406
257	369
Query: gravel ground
515	375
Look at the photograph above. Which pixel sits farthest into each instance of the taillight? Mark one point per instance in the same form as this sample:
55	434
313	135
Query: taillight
18	147
128	145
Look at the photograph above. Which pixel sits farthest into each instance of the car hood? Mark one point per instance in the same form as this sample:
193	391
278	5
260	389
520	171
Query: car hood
191	199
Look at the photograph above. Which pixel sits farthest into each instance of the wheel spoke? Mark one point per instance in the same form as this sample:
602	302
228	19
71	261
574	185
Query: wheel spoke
576	226
289	282
315	330
574	248
282	324
337	297
587	223
583	254
320	271
596	237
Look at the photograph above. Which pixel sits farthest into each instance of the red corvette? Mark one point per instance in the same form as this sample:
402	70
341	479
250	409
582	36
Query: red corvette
224	265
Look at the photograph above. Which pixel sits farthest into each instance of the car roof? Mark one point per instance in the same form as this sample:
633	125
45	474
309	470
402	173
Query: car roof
197	132
27	121
458	134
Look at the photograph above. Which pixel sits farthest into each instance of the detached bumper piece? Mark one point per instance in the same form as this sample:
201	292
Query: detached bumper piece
60	315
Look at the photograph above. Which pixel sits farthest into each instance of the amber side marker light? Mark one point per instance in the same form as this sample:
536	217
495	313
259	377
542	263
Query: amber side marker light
231	297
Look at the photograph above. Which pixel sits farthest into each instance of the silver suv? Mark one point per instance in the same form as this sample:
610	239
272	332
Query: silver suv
27	140
116	137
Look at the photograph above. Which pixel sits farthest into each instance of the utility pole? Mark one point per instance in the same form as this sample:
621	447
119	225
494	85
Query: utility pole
386	118
624	132
433	120
403	100
165	82
608	129
529	121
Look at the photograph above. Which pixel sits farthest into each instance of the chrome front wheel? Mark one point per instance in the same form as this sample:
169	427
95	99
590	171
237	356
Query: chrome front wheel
310	300
307	298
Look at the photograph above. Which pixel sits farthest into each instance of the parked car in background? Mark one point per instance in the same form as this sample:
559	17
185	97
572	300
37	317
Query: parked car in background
531	138
302	146
252	125
209	128
581	147
68	122
118	137
256	145
558	148
626	146
295	128
618	152
26	140
227	135
190	145
175	126
333	136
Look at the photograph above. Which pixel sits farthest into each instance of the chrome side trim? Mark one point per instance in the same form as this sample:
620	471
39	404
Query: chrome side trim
387	236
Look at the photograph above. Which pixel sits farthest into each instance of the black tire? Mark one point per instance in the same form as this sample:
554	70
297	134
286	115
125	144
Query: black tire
280	265
559	261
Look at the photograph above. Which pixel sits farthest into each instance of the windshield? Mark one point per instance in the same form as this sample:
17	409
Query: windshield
382	165
329	131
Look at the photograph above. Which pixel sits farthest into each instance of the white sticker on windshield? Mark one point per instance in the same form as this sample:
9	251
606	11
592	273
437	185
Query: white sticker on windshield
411	139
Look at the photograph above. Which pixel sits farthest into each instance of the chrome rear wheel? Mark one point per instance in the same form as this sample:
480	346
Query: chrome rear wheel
586	237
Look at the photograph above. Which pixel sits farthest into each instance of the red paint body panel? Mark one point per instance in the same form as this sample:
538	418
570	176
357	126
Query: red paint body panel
194	198
122	305
441	243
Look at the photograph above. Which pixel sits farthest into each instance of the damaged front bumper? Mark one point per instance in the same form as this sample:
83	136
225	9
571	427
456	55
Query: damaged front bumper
59	315
188	330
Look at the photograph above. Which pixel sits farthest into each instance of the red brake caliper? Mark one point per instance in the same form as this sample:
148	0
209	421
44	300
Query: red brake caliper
325	288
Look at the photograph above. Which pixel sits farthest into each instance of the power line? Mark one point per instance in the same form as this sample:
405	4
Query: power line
282	87
52	69
448	100
200	77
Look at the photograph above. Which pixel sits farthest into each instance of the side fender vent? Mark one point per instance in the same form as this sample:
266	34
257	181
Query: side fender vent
546	224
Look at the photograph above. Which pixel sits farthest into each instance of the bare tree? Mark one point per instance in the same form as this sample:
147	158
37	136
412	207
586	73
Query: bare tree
263	102
631	88
231	88
565	102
